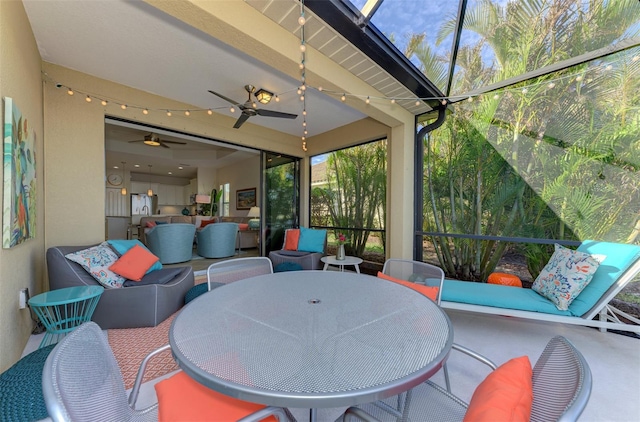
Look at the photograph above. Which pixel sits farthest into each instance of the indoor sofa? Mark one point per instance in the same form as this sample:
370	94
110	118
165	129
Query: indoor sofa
158	295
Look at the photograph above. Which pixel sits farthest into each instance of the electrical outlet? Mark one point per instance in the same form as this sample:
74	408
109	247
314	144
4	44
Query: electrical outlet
23	298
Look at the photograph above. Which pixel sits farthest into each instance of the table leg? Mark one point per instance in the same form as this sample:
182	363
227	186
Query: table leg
313	415
357	268
326	265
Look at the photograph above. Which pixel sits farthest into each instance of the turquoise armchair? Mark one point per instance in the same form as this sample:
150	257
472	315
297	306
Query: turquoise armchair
217	240
172	243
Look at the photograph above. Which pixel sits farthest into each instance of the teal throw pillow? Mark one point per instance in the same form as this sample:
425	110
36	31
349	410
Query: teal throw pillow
312	240
121	246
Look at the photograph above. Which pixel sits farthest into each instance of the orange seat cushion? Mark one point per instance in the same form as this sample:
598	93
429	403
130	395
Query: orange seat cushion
180	398
506	394
504	279
429	291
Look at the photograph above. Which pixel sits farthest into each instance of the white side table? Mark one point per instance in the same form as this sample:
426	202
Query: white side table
348	260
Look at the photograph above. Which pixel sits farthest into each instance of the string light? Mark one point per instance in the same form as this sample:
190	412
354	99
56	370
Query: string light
301	89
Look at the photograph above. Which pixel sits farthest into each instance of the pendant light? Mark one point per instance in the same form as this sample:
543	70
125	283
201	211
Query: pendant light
150	192
123	191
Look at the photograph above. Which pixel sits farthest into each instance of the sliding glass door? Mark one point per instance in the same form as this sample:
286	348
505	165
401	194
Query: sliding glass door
281	199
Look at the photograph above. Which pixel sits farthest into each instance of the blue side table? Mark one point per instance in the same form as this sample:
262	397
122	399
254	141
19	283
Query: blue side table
62	310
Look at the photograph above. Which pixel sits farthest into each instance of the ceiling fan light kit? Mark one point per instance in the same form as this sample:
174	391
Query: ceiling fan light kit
249	108
263	96
154	140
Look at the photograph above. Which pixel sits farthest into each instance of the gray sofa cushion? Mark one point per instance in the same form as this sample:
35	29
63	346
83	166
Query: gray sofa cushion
130	307
155	277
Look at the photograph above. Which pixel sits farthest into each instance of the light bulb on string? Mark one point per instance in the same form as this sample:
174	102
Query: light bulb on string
303	138
320	88
187	113
302	20
209	112
368	100
301	65
578	78
393	101
525	90
299	91
302	98
277	99
443	102
417	103
88	99
70	91
303	87
103	102
304	124
343	98
303	47
123	106
145	111
551	85
232	109
304	112
168	113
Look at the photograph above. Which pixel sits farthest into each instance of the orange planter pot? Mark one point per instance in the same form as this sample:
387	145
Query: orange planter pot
504	279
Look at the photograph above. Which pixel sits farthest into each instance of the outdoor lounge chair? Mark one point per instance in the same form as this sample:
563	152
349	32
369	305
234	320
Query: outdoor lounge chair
561	382
620	266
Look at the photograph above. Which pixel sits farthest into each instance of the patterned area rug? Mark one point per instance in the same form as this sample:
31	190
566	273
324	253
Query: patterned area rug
132	345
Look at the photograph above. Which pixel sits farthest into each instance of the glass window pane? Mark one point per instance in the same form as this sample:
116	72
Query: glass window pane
557	157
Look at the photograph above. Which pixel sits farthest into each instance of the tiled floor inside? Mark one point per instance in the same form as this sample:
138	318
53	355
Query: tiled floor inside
614	360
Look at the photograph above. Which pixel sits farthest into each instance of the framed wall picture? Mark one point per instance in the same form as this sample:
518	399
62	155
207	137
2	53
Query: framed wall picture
245	198
19	168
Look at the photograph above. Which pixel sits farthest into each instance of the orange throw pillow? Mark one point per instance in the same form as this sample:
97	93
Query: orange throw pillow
429	291
180	398
134	263
292	236
505	395
205	223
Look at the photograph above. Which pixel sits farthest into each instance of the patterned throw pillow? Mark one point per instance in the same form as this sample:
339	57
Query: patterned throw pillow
565	275
96	261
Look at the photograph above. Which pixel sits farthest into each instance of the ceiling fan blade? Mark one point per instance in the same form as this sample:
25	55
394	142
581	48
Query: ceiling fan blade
243	118
224	98
174	142
139	140
271	113
163	145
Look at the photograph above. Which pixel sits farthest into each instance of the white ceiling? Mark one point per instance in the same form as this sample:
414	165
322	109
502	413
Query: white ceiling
136	45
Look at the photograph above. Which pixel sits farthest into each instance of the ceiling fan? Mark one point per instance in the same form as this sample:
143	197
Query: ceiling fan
249	108
154	140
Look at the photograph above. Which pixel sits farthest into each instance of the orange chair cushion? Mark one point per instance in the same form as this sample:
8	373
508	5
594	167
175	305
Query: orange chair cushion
506	395
292	237
504	279
135	263
429	291
180	398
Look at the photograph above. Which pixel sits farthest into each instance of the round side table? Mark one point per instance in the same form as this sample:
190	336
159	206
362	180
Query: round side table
62	310
348	260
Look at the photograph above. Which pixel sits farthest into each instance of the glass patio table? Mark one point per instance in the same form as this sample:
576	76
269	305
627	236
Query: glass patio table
311	339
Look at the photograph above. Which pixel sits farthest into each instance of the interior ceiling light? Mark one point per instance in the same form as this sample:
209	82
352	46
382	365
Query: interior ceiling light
263	96
152	140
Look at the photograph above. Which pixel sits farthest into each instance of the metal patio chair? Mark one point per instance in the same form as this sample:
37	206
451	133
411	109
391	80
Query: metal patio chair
416	272
81	381
561	389
225	272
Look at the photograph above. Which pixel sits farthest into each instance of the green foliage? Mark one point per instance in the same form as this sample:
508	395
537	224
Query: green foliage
554	163
355	195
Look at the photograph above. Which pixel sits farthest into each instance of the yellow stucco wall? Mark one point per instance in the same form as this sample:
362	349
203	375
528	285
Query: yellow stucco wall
23	265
